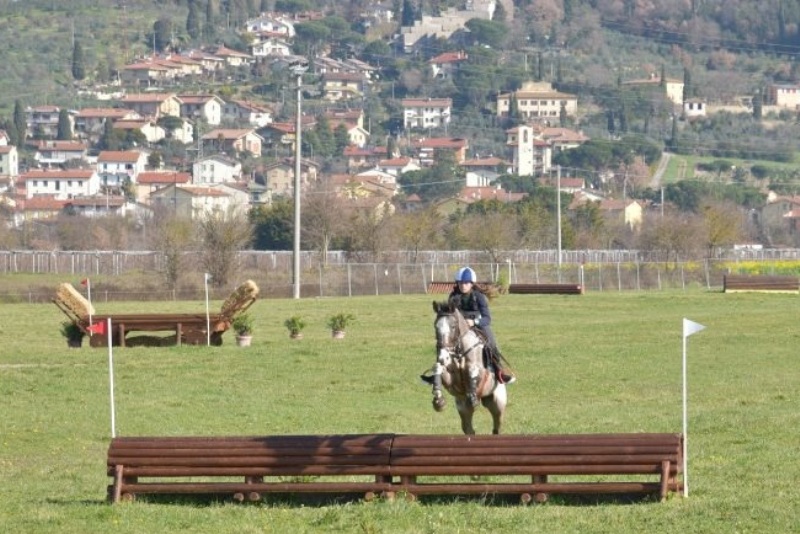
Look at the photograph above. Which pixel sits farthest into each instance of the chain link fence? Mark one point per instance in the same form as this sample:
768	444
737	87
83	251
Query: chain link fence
339	276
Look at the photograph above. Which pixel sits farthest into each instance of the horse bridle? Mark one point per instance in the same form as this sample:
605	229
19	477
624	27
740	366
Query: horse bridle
457	351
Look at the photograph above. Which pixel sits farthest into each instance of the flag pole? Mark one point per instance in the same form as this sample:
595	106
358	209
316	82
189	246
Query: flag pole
111	379
206	276
689	328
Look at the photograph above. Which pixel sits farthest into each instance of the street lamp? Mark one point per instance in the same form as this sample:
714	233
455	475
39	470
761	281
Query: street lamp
298	68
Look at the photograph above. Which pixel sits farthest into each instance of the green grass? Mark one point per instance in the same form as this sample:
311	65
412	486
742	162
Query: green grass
607	362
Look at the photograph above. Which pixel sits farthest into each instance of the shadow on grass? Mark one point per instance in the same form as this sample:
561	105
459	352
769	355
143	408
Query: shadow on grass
295	500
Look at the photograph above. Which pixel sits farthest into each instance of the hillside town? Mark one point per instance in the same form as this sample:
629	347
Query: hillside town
119	156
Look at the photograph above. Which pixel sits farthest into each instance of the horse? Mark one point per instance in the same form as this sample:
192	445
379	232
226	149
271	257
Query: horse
460	369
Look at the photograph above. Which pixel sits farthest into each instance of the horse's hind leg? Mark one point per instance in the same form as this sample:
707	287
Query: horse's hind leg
465	411
496	404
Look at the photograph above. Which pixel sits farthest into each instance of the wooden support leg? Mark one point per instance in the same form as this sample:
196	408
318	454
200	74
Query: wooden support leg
121	328
117	483
540	497
664	486
178	334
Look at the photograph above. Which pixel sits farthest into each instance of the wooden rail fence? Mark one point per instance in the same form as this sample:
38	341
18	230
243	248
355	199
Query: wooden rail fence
738	283
530	466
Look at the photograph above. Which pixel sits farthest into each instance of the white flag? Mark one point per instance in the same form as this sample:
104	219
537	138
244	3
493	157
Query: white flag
690	327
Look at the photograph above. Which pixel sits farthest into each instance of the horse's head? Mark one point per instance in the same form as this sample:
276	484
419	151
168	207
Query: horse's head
450	326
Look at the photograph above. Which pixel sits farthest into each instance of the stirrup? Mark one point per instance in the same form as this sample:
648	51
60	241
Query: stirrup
428	379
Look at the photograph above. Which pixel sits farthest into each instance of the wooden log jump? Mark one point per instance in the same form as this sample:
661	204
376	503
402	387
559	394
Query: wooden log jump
385	464
546	289
739	283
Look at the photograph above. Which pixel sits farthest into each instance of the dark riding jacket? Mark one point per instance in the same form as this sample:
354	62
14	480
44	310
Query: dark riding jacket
475	305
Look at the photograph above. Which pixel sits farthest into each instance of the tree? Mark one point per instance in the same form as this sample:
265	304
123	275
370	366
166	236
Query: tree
64	126
212	13
418	230
408	15
757	106
688	90
322	220
78	62
193	20
222	235
20	123
162	34
273	225
171	235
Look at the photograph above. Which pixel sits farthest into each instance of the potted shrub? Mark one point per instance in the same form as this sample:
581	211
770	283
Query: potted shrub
73	334
295	325
243	326
338	324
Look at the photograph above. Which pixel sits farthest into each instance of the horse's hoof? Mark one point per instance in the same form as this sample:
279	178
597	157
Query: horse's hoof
439	403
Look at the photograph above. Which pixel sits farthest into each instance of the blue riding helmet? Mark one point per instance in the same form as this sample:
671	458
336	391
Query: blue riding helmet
466	274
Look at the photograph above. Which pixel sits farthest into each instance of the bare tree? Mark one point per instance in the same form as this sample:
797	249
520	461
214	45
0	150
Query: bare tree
322	217
418	230
723	223
173	236
222	235
494	233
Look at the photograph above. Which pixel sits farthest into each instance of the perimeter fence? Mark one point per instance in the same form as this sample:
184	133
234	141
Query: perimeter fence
340	275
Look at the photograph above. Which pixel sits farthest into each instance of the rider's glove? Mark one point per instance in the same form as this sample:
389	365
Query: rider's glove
470	322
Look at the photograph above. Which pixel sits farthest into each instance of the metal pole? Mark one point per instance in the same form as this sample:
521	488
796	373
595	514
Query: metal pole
558	216
298	70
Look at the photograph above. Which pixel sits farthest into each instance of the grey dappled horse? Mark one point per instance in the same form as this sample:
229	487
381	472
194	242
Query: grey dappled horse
460	369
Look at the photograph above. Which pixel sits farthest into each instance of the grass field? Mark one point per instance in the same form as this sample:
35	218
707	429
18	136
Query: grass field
606	362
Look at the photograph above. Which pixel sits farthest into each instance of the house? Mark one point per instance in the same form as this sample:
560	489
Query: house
42	121
191	201
205	107
54	153
280	175
671	88
90	122
537	101
239	193
145	74
694	108
283	132
9	162
270	25
778	211
531	156
426	112
361	157
216	169
270	46
426	31
39	207
151	131
153	104
97	206
398	166
353	122
233	58
561	138
60	184
785	95
628	211
426	149
232	141
481	172
377	176
149	181
255	114
444	65
475	194
118	169
5	140
337	86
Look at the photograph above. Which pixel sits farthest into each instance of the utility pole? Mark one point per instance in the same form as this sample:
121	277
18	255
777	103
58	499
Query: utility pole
298	69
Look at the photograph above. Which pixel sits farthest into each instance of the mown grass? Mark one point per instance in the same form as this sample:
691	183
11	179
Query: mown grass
605	362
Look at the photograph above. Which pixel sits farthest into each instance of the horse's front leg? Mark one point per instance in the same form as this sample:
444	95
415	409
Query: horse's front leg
439	369
474	373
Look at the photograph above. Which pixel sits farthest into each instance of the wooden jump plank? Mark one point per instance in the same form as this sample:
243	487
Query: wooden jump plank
394	462
733	283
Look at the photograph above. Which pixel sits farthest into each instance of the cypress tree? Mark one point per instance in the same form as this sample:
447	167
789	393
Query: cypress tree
64	126
757	105
20	123
193	21
78	62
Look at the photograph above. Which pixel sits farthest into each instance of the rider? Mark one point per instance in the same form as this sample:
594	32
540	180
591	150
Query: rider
474	305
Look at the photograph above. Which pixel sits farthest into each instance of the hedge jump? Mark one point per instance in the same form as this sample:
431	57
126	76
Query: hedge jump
738	283
385	464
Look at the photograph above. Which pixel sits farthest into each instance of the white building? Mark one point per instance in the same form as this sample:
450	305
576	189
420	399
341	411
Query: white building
216	169
61	184
426	112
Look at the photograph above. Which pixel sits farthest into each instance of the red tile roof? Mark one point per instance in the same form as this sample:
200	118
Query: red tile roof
163	177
